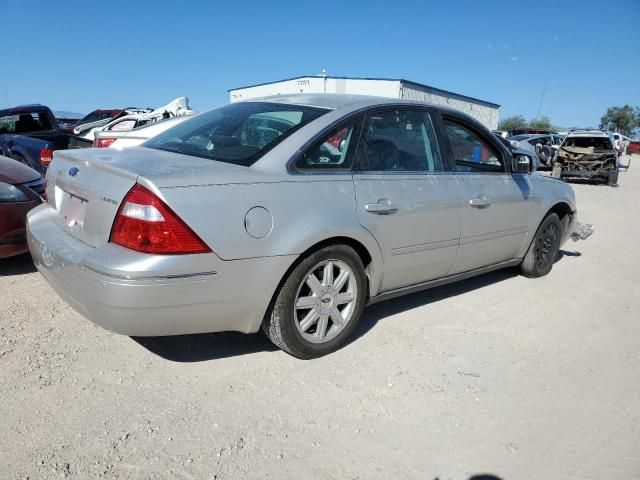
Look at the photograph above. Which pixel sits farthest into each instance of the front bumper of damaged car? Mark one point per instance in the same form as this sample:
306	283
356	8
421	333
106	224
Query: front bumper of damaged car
581	231
566	173
574	229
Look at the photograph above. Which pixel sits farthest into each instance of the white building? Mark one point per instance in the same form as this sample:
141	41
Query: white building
485	112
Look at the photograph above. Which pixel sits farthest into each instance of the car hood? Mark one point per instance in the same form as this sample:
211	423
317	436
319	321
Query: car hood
584	154
13	172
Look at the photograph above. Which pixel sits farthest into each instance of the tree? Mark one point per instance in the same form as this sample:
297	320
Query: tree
512	123
621	119
542	123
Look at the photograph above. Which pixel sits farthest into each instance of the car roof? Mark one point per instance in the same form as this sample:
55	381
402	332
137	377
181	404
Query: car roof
350	102
31	108
588	133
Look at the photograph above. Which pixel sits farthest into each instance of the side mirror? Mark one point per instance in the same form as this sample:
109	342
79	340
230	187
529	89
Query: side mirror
522	163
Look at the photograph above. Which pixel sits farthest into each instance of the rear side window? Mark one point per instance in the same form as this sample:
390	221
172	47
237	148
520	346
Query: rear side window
25	123
398	141
471	152
239	133
333	152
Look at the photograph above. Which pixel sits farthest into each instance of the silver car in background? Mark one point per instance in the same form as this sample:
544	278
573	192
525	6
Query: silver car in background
290	214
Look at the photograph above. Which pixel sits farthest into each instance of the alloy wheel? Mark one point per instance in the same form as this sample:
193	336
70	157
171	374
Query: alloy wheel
325	301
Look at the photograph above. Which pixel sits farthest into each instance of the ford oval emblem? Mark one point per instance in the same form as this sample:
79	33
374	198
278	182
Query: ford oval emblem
73	171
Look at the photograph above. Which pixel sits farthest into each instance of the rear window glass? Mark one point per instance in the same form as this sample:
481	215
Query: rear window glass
239	133
96	116
20	123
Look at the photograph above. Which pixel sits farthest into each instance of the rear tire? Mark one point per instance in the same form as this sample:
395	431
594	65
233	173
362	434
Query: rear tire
319	303
544	248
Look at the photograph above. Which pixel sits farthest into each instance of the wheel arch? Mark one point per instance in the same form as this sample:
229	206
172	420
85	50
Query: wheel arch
564	211
367	249
370	255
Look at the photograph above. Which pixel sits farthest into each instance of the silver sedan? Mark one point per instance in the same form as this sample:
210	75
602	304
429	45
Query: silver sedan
291	214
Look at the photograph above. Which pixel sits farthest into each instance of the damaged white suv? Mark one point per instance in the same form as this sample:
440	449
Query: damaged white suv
587	154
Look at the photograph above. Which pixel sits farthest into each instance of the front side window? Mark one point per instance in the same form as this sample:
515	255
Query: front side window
239	133
398	141
332	152
470	152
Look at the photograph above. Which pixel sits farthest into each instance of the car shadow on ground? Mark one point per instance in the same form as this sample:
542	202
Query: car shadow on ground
18	265
212	346
206	346
380	311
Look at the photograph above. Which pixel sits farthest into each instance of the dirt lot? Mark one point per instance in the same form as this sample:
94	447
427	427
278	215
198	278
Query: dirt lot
502	375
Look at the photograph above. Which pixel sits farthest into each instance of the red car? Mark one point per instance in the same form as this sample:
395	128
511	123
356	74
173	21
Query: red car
21	189
634	147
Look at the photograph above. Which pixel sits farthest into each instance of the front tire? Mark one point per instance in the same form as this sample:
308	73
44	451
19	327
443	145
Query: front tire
612	178
544	248
318	304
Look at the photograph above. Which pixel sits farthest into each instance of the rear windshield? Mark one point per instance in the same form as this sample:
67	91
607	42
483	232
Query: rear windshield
238	133
597	143
25	123
95	116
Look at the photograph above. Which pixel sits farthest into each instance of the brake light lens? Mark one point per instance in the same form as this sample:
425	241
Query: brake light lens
144	223
46	155
103	142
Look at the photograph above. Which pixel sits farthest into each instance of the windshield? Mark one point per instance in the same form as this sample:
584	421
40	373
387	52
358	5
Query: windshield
597	143
237	133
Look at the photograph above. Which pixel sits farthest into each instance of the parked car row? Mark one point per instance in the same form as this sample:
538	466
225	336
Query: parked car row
585	154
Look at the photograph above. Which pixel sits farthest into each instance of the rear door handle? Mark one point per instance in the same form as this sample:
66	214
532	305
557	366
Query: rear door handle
480	201
384	205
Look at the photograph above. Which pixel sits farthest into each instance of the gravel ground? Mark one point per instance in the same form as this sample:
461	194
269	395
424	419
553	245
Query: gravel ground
501	375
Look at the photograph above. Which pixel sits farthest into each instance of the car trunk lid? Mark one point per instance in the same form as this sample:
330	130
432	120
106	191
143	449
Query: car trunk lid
86	187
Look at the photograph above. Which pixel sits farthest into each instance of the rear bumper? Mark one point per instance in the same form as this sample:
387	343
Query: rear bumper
148	295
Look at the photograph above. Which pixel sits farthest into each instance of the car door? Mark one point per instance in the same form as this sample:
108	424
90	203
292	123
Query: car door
405	198
497	205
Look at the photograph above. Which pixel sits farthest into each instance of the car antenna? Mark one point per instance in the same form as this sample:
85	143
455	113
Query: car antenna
544	89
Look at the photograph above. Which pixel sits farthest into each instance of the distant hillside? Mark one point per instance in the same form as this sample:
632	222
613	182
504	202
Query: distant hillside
65	114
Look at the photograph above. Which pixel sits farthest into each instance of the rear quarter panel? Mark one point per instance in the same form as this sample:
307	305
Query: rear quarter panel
304	212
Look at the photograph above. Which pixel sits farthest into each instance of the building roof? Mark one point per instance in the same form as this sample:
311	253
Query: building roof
326	100
401	80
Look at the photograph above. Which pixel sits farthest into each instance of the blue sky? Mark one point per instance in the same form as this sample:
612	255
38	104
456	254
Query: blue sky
79	55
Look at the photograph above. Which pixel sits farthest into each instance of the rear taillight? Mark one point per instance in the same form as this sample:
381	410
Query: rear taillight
103	142
146	224
46	155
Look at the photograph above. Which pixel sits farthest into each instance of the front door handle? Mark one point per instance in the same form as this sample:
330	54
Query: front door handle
383	206
480	201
